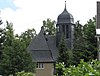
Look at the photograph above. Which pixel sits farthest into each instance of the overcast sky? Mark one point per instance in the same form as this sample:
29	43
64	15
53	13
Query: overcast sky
26	14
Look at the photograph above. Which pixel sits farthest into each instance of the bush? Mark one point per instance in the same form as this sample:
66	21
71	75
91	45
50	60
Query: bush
25	74
83	69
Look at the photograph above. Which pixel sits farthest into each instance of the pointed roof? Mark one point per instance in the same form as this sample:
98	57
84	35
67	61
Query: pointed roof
65	17
65	7
39	42
43	48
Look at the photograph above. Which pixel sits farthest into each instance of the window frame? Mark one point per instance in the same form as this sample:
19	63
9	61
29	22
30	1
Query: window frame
39	66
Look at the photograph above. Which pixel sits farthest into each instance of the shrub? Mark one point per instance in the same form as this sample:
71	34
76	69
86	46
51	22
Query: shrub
25	74
83	69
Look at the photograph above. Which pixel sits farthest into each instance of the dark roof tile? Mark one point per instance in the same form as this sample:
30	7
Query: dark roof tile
52	46
42	56
43	48
39	42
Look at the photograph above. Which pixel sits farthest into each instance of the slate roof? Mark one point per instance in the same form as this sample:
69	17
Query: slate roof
42	56
65	17
43	48
52	46
39	42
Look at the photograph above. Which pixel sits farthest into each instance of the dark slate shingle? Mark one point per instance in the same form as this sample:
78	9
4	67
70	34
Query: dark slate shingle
52	46
39	42
42	56
43	48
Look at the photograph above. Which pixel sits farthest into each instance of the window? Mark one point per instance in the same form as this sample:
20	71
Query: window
63	29
40	66
67	33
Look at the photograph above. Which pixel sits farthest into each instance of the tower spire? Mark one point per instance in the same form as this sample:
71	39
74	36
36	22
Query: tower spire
65	7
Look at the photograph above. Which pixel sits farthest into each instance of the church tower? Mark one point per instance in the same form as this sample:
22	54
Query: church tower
65	26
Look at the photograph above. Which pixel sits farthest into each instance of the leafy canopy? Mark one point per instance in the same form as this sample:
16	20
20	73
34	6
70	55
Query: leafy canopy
14	56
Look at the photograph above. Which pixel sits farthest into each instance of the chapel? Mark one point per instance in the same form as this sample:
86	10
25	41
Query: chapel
44	48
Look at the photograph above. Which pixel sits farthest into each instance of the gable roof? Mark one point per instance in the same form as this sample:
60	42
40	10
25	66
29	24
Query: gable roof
39	42
43	48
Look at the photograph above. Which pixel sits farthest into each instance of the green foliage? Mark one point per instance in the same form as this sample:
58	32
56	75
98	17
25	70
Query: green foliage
2	39
65	55
14	56
25	74
27	36
79	43
83	69
85	43
2	36
60	68
49	27
91	41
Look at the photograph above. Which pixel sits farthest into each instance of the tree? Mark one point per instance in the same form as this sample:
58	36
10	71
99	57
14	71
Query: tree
2	39
49	27
27	36
79	43
85	43
1	36
15	58
65	55
78	37
89	34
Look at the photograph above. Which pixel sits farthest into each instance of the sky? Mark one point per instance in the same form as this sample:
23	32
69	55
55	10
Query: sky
28	14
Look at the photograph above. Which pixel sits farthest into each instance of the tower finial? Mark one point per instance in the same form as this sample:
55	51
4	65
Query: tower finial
65	5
